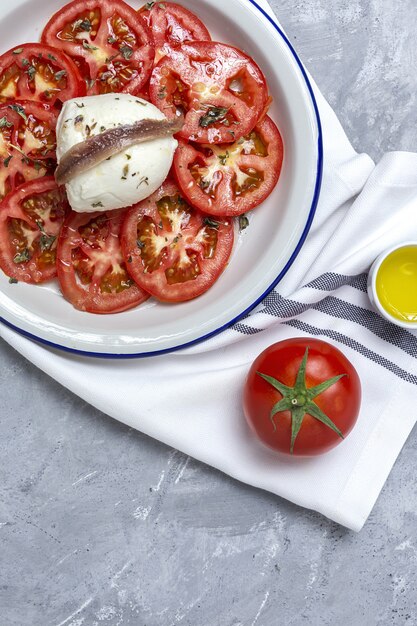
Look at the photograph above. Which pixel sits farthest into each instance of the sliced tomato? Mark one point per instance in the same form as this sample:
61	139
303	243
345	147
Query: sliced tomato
27	143
231	179
172	24
112	47
221	91
91	270
38	72
174	251
30	221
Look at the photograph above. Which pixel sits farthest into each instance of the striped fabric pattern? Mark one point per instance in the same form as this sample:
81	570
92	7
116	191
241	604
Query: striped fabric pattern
332	303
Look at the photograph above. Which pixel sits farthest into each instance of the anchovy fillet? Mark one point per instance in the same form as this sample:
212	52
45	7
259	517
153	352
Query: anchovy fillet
87	154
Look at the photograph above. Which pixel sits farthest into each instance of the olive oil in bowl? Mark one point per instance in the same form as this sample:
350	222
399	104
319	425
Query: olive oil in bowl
392	285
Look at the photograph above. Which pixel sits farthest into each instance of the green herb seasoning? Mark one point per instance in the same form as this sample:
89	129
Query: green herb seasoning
208	221
88	46
223	157
4	123
126	52
214	114
31	72
60	75
243	222
19	109
46	241
85	25
144	179
22	257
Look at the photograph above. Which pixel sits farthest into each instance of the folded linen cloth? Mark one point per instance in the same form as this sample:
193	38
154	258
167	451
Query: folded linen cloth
362	210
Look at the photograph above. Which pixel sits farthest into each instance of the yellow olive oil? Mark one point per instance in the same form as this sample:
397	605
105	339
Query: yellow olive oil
396	284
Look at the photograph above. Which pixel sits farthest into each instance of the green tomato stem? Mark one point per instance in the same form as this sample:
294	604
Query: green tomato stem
299	401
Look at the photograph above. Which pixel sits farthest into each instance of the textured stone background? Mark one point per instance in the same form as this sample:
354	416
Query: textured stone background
101	525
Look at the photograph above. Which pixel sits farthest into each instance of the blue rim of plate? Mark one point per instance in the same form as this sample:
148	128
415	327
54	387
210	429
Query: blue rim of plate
280	276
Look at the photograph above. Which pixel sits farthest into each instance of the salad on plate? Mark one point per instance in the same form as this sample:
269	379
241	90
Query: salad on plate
132	148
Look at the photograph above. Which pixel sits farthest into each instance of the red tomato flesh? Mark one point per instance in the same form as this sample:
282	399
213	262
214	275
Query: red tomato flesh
172	24
113	49
30	221
34	71
221	91
91	270
172	250
231	179
27	143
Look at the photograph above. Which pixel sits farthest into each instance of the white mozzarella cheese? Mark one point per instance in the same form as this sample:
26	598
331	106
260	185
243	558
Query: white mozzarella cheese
127	177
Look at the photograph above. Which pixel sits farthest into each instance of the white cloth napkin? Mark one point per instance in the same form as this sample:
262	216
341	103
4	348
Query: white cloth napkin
191	400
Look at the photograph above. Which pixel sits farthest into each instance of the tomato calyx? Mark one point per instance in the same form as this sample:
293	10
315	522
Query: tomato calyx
299	400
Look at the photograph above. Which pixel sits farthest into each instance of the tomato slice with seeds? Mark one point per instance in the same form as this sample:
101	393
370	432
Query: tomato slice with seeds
231	179
91	270
38	72
221	91
112	47
172	24
174	251
30	221
27	143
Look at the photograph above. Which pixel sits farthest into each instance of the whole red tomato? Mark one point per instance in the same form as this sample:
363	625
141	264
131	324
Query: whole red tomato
302	396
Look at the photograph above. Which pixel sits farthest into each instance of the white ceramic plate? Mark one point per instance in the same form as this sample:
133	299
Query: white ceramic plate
264	251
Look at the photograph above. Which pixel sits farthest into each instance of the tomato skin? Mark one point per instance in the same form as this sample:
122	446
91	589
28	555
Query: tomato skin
172	24
99	248
115	52
37	202
203	77
341	402
15	82
225	199
179	232
29	142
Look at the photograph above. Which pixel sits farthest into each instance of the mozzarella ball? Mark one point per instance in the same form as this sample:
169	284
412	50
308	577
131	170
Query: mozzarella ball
126	177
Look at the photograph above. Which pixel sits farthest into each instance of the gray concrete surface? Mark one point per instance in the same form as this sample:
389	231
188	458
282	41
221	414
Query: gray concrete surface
101	525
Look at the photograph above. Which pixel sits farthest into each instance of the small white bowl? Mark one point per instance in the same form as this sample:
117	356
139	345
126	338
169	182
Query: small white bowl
372	293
